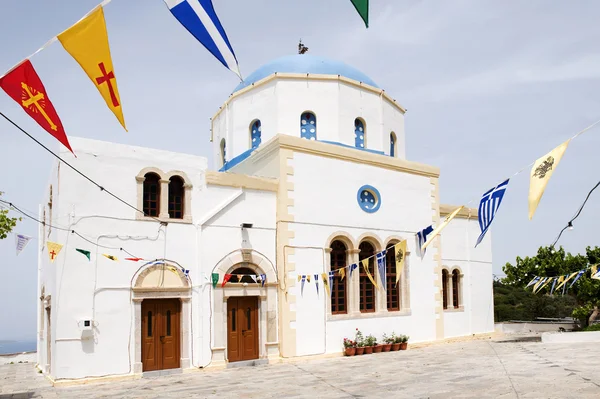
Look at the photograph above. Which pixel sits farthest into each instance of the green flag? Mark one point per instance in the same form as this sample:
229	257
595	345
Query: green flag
362	6
83	251
215	279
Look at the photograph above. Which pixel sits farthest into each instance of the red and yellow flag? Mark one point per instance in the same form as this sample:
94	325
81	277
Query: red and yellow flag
87	42
24	86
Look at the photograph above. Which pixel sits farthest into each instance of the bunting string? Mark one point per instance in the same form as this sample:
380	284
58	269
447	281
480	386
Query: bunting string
556	282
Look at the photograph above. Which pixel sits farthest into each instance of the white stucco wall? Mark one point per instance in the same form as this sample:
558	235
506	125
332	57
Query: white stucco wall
100	289
279	103
458	251
325	202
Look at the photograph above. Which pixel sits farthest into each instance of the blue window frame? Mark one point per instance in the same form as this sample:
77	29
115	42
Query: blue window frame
255	133
359	133
308	126
368	198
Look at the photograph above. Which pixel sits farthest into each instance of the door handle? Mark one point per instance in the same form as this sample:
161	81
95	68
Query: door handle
162	339
244	331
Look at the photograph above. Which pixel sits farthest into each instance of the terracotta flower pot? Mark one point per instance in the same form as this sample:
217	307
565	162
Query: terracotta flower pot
395	347
360	350
386	347
368	350
403	346
377	348
350	351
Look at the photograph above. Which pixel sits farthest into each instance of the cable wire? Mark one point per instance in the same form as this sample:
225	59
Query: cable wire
77	170
570	223
72	231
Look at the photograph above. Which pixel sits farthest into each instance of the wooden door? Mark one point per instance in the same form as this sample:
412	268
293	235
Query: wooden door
242	328
160	334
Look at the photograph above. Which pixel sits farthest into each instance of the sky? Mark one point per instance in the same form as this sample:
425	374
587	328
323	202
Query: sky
489	87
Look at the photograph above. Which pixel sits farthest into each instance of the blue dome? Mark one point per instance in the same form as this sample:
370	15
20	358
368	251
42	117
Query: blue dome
304	63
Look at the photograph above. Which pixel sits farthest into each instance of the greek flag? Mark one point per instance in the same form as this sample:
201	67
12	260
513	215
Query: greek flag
421	237
490	202
381	266
200	19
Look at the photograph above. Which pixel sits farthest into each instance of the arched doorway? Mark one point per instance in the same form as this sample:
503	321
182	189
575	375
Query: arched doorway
161	296
245	309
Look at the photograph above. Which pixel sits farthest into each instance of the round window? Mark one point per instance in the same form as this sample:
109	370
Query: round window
368	198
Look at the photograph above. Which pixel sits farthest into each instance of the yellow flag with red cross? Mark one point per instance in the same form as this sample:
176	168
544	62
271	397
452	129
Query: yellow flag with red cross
87	42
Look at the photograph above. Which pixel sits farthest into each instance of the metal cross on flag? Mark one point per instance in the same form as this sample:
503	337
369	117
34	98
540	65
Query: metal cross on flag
24	86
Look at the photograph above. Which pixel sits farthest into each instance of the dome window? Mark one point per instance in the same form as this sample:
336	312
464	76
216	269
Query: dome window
223	151
360	135
255	134
308	126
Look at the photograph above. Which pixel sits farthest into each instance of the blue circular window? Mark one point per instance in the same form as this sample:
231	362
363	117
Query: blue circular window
368	198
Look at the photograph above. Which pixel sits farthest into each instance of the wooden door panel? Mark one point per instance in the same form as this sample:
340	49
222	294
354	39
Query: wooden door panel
169	334
233	330
160	334
242	328
149	332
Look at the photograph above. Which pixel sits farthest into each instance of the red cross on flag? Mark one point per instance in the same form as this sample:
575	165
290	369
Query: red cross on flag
24	86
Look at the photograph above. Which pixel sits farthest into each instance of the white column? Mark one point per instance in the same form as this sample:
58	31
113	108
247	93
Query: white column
137	320
185	332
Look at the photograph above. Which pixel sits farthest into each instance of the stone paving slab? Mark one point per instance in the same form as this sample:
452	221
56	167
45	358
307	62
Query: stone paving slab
472	369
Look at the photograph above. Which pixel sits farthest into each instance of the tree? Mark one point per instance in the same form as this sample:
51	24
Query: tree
7	223
550	262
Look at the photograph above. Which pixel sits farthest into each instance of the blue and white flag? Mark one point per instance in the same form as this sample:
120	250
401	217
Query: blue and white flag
21	241
577	277
490	202
263	279
317	283
532	282
352	268
200	19
381	267
421	237
553	285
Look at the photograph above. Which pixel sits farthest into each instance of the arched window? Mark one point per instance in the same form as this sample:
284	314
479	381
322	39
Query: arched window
223	151
392	290
445	288
308	126
255	133
151	206
338	287
360	134
243	275
455	287
393	145
366	287
176	196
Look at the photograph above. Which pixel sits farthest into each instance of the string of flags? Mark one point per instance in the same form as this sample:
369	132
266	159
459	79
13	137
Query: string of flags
237	278
398	249
556	282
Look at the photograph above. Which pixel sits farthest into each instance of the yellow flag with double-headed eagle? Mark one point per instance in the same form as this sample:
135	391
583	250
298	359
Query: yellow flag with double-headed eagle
441	227
87	43
540	175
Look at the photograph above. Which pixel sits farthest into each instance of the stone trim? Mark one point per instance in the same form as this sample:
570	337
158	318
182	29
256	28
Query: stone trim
317	148
241	181
287	280
465	213
436	248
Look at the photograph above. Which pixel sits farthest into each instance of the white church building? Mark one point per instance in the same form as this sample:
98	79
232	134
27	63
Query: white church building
309	176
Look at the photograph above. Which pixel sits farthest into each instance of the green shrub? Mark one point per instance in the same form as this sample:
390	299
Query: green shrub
593	327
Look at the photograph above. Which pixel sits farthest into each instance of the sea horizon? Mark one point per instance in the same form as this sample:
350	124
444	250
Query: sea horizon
9	346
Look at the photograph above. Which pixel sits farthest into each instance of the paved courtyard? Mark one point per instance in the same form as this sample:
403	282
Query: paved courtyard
472	369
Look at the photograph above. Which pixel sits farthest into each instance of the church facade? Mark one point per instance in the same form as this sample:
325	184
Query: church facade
309	176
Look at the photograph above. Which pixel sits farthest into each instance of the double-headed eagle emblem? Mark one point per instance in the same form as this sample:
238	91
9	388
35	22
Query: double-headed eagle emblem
544	168
399	255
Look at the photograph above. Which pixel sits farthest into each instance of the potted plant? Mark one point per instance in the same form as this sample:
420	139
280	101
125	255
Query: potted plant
349	347
370	342
378	347
360	342
404	342
387	343
396	342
